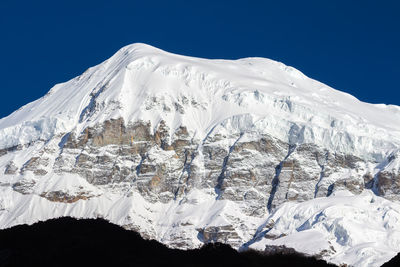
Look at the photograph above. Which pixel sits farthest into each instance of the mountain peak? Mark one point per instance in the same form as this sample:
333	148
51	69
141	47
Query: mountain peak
188	151
138	50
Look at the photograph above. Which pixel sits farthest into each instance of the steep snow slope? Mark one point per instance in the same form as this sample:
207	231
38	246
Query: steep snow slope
274	95
249	152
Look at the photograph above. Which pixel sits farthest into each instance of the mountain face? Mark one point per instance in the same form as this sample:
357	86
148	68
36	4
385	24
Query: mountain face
187	151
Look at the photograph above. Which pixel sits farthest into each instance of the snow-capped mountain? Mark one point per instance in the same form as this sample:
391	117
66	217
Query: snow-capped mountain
247	152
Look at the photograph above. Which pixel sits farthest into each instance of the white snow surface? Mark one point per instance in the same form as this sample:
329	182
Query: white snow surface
141	82
363	230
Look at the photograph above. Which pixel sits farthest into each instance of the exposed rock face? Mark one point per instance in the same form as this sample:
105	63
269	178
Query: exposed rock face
388	184
263	172
59	196
225	234
35	164
24	187
11	168
4	151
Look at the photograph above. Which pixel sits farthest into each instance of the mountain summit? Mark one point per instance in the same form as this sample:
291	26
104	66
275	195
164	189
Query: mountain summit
187	151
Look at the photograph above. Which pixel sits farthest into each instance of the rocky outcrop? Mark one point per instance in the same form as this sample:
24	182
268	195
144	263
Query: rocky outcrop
60	196
386	181
24	187
164	164
11	168
224	234
36	165
388	185
4	151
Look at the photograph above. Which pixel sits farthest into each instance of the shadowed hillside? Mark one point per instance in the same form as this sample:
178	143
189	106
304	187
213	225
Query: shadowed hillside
395	262
89	242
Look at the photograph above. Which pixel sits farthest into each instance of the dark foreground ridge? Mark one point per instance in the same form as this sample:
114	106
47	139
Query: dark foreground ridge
395	262
96	242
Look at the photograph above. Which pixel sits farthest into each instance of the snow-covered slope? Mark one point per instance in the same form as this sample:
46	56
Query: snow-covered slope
139	81
361	230
188	150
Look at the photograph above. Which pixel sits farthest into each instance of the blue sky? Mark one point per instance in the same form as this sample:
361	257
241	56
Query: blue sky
352	46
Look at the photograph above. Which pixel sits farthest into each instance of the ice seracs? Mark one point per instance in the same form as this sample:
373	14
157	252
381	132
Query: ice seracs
248	152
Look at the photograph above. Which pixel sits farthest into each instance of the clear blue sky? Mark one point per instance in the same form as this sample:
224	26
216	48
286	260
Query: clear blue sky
353	46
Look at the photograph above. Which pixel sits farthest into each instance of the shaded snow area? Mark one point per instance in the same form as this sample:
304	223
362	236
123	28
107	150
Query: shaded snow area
188	151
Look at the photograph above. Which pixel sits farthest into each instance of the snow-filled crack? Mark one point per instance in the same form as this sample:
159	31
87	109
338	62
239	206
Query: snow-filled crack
330	189
186	169
139	166
322	172
275	180
221	177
